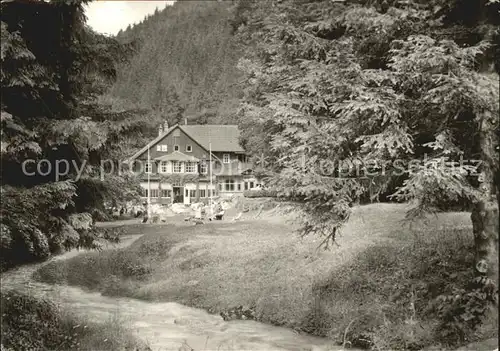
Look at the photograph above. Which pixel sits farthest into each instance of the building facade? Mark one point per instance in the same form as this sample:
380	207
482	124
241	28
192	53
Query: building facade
179	166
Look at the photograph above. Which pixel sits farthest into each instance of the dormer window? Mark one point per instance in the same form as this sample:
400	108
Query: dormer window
176	147
226	158
189	148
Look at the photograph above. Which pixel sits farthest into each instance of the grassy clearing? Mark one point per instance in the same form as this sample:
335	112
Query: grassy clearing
374	289
32	324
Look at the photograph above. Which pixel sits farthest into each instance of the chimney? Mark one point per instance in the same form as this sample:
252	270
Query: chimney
165	126
185	121
160	130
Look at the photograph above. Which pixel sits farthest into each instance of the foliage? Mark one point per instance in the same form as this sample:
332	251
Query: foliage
415	298
29	323
54	115
259	193
23	315
113	189
355	96
44	230
465	309
117	265
185	66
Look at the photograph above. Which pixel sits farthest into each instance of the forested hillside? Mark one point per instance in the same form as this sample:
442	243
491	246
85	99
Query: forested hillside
186	63
58	124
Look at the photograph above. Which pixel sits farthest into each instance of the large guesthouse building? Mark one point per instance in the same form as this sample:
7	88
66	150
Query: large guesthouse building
180	164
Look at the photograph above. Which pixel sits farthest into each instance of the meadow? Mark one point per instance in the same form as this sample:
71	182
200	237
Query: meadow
382	287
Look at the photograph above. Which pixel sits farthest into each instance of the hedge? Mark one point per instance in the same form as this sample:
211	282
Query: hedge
260	193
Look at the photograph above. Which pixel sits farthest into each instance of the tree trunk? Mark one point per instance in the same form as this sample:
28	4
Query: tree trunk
485	227
485	212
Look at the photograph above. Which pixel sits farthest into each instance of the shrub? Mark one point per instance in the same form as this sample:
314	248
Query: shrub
464	309
94	269
29	323
28	215
404	296
260	193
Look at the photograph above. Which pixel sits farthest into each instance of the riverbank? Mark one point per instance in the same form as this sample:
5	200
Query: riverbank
34	317
30	323
162	326
373	291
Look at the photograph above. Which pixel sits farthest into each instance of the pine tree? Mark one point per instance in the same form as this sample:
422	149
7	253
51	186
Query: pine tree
51	114
360	97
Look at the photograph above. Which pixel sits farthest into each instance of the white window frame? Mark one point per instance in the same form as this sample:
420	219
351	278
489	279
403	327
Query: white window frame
226	158
164	148
164	167
189	148
203	167
158	148
190	167
167	192
148	168
203	193
174	168
228	184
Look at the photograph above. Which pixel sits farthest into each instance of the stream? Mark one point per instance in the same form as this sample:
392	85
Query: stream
164	326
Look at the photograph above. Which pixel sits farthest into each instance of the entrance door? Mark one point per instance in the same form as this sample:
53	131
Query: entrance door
178	194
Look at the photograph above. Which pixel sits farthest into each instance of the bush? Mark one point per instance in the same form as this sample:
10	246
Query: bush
405	297
465	309
260	193
34	226
94	269
114	272
29	323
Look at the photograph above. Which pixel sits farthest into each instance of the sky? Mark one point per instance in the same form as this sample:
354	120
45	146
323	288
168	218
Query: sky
108	17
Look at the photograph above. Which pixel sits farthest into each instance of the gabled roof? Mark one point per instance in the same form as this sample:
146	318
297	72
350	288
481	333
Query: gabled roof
222	137
177	156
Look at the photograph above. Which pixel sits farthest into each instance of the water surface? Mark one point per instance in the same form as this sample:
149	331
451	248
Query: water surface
164	326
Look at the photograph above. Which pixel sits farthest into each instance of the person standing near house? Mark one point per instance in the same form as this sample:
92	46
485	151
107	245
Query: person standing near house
198	212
